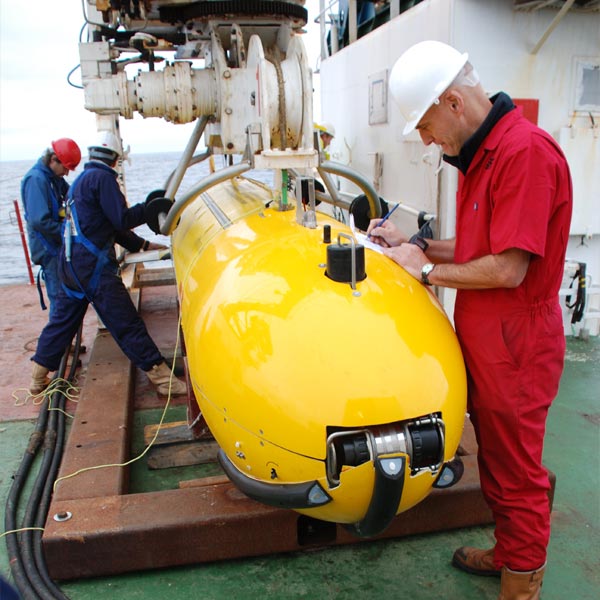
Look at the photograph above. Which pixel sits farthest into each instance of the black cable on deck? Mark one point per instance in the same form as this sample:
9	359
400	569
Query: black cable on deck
25	554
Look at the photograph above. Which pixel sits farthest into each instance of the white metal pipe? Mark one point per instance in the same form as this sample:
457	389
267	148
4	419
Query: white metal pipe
185	159
168	225
352	21
321	20
559	17
324	10
362	182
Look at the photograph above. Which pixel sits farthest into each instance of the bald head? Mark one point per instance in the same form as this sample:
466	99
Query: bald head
457	114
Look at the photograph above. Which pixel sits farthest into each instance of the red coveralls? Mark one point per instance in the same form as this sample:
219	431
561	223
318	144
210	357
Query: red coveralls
516	193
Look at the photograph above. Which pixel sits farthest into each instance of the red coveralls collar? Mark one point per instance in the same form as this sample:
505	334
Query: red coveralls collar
501	105
492	140
495	136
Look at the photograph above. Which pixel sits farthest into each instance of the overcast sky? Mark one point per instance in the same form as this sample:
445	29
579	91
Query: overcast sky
38	49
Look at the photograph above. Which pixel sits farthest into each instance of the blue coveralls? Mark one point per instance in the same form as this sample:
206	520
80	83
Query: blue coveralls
43	193
102	218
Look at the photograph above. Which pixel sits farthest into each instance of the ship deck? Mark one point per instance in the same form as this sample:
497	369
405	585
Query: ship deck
405	567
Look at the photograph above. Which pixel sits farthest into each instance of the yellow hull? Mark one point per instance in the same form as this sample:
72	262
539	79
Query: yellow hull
280	356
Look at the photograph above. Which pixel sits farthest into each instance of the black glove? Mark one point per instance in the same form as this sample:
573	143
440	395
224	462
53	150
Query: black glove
425	232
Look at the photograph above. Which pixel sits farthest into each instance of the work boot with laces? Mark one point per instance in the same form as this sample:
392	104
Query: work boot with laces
39	379
476	561
160	376
521	585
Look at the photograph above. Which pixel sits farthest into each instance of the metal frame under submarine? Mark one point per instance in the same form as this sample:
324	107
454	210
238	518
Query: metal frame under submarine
330	378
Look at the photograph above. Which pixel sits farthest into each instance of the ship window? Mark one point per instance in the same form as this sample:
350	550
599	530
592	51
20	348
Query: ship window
378	98
587	88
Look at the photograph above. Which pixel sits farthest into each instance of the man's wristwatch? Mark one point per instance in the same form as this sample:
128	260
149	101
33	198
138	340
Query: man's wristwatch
425	271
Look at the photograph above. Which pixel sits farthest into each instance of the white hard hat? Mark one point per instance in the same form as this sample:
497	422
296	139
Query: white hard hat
421	75
106	146
328	128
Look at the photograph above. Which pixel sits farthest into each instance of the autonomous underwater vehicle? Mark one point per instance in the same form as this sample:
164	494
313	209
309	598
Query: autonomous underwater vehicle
331	379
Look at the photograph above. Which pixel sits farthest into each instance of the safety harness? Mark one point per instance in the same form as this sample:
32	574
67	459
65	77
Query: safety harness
73	235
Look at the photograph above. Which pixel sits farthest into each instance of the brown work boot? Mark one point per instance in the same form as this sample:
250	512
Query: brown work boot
476	561
39	379
521	585
160	376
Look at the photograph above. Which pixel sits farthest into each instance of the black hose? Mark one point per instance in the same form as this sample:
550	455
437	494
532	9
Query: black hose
31	512
44	503
16	562
53	472
42	513
25	549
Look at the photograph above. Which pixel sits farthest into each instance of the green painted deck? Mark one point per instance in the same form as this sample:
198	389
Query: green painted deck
413	567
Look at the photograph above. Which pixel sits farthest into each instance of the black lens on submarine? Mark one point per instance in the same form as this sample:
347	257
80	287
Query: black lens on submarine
426	446
339	262
355	451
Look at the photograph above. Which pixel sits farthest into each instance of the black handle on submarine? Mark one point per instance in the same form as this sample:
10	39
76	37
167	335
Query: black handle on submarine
387	493
156	210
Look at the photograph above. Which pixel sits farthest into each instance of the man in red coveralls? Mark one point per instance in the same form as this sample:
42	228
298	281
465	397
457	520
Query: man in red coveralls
514	205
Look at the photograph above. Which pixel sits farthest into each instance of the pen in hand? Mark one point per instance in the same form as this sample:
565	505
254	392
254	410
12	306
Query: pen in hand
387	216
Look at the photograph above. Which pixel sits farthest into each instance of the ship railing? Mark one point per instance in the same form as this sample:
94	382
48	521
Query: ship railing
348	20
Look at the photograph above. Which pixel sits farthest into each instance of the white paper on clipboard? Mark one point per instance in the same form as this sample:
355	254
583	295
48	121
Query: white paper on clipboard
363	238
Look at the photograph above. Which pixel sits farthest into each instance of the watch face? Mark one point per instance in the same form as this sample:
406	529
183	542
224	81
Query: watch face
425	272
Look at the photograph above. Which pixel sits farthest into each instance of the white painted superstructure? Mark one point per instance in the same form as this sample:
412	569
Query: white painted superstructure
542	54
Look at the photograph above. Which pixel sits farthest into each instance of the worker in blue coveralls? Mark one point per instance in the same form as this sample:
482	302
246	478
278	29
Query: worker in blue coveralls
43	191
97	217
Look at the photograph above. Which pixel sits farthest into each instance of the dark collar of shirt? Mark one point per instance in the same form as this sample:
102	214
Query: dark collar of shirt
501	105
99	164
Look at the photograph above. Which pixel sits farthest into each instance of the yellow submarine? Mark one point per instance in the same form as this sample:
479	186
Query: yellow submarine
331	379
340	397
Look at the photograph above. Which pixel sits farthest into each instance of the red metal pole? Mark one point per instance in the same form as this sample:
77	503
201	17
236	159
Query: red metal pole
24	241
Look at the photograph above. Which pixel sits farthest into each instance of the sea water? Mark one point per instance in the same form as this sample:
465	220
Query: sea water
143	174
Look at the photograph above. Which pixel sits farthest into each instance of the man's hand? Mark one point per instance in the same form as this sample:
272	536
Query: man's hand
408	256
387	235
155	246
